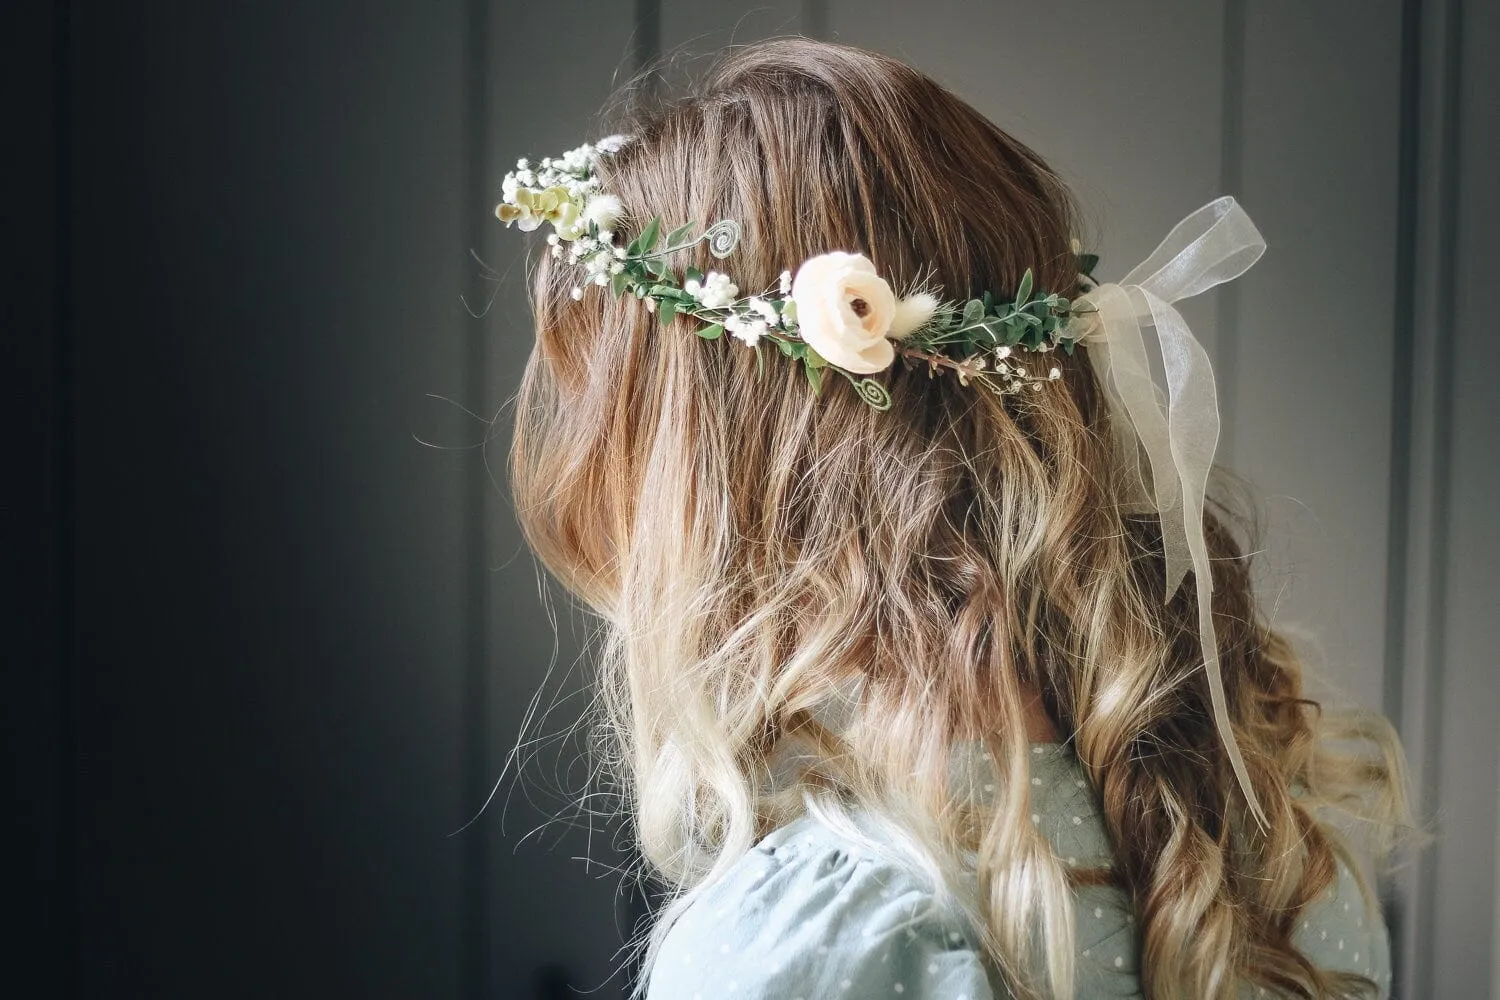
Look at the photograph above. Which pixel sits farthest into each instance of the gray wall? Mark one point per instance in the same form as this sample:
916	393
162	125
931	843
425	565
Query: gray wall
279	640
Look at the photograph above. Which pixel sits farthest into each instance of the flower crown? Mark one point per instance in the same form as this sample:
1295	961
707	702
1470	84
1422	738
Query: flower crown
835	313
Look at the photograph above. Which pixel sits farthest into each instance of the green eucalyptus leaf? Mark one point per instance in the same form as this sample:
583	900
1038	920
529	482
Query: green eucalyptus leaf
617	283
813	358
648	238
711	332
693	274
1024	291
785	347
667	310
973	312
677	235
989	301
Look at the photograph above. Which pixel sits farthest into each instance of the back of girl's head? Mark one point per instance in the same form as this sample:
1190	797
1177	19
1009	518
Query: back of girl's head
809	147
757	548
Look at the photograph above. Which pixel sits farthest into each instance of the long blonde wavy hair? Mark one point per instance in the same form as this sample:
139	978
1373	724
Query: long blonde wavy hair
752	548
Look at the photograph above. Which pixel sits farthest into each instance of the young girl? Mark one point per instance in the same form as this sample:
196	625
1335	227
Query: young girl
912	673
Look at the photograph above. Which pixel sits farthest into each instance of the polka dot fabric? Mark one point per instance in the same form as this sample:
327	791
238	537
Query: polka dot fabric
810	912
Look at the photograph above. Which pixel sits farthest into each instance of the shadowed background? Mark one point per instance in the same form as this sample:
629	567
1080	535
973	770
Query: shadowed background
274	640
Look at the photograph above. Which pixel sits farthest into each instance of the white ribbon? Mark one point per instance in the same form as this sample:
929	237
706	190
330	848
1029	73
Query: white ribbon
1217	243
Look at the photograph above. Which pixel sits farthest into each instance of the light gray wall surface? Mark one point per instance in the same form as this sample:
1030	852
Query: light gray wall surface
1362	412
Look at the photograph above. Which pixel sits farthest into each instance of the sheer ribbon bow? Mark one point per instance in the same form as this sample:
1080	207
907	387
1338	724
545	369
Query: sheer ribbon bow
1217	243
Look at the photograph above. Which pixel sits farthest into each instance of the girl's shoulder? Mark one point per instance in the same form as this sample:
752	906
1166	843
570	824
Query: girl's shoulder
816	909
811	911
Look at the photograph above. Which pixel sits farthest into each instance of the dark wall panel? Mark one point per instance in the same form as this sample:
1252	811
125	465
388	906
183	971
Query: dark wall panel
267	247
35	527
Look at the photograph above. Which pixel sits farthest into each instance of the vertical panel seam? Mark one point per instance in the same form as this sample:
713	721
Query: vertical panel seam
1421	670
1442	277
1402	427
1403	359
1399	910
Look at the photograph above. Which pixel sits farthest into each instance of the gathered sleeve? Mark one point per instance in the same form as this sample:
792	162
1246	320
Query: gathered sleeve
806	915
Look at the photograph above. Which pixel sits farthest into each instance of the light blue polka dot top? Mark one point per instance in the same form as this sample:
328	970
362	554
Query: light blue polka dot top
811	912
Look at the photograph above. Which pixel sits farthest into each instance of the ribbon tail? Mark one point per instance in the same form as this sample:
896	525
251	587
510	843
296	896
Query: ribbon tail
1214	244
1210	640
1193	420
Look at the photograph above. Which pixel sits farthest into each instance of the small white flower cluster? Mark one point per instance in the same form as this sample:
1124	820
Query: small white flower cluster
562	190
750	325
599	258
748	322
572	171
1014	377
715	291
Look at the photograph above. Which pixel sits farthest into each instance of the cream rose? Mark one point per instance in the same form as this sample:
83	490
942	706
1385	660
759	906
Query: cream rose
844	311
